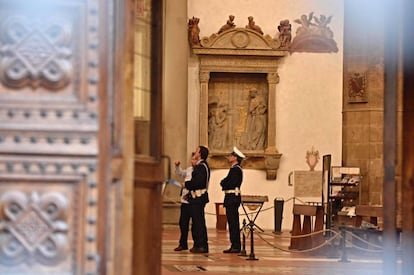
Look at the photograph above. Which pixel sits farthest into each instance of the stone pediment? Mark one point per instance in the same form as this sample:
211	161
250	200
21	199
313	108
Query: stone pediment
240	38
239	41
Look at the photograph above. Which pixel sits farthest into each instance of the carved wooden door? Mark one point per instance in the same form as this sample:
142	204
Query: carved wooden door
55	135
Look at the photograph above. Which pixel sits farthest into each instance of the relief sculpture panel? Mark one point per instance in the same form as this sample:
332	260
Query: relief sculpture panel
237	112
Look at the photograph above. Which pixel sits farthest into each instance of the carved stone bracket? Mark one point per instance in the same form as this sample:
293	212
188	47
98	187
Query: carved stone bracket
238	77
272	160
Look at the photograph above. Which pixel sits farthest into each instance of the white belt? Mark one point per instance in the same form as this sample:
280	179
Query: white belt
197	193
233	191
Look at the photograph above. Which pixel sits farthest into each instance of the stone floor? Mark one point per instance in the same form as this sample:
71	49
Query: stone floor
271	255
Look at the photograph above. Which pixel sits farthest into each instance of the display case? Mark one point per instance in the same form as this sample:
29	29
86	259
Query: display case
343	195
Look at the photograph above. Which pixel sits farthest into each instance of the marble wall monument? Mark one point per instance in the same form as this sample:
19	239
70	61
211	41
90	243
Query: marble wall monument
238	77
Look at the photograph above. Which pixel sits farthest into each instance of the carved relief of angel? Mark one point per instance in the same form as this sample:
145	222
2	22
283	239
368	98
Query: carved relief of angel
313	35
306	23
322	24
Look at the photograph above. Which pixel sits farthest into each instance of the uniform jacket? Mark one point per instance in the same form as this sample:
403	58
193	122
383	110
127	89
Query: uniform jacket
199	180
234	179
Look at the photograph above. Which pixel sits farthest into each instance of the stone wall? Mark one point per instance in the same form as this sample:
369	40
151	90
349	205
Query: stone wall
363	103
308	99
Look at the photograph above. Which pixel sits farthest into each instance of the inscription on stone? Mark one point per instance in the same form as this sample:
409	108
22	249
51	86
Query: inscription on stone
308	183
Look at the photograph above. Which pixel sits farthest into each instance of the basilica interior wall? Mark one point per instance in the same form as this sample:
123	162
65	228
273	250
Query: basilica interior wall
308	101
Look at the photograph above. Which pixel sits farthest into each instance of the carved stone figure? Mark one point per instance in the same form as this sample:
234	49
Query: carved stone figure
211	122
217	125
194	31
229	25
285	33
256	120
252	25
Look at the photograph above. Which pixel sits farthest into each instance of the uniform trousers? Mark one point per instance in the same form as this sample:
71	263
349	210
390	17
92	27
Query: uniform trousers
184	222
199	228
232	205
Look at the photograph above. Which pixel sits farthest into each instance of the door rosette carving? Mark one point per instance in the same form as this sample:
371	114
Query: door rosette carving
34	228
35	52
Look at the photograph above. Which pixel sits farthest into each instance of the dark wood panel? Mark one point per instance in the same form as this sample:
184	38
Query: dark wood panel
48	213
407	142
54	129
147	216
49	77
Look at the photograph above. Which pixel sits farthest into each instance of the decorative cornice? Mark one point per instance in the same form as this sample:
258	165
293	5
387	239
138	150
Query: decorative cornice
232	41
313	35
240	42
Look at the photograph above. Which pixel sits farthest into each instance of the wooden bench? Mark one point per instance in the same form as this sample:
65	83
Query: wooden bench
371	231
299	228
369	213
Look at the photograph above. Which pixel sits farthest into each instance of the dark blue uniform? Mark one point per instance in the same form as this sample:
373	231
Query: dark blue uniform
232	203
197	185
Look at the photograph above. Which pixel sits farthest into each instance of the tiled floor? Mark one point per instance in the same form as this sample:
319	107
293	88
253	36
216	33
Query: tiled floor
273	254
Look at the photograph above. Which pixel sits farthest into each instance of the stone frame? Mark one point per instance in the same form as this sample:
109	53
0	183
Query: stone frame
241	50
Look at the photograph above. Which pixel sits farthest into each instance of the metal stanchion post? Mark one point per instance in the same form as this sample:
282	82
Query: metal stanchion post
344	257
243	250
257	202
251	255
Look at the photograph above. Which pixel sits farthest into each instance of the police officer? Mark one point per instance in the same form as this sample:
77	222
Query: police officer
232	198
198	199
185	210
